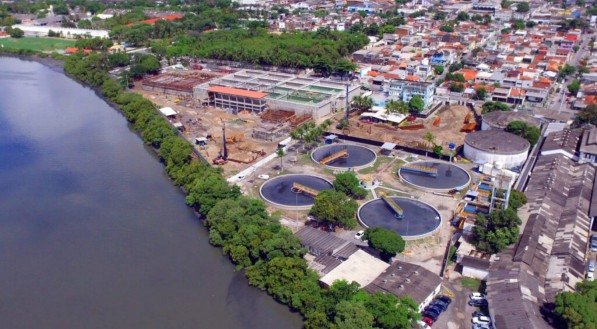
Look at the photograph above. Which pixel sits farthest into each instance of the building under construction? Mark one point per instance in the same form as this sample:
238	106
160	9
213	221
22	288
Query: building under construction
257	91
180	83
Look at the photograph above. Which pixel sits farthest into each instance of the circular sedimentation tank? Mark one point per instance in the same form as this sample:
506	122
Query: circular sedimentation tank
357	156
443	177
418	219
279	191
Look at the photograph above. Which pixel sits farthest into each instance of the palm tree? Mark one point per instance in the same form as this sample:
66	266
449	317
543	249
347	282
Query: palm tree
280	153
430	139
362	103
394	106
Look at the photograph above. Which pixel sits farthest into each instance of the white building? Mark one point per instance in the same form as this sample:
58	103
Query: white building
66	32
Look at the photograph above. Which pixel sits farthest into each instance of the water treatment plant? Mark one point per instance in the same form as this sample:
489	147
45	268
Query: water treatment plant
434	176
344	156
294	192
410	218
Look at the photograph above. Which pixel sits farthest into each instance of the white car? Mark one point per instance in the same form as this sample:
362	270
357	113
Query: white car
359	235
263	176
590	276
482	320
477	296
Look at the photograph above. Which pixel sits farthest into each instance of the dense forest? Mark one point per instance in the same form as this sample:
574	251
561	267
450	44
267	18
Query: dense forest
323	50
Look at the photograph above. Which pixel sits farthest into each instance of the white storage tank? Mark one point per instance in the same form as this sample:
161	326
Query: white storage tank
496	147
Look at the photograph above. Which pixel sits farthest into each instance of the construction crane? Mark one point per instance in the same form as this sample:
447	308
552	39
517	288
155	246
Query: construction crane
398	212
222	158
340	154
300	188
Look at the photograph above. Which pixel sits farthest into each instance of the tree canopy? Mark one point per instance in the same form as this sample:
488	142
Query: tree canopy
394	106
587	115
335	208
416	104
494	106
387	242
524	130
324	50
578	309
497	231
348	183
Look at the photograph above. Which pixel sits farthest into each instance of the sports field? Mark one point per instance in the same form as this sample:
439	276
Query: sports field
39	44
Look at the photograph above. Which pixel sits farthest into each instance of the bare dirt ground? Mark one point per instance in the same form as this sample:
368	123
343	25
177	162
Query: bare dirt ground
201	121
447	131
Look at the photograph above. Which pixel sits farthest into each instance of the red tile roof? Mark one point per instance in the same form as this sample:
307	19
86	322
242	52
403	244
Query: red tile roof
236	92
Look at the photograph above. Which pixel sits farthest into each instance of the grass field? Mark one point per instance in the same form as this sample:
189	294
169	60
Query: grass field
39	44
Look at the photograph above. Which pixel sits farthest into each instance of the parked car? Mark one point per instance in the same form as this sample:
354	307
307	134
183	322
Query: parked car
594	242
477	302
435	308
476	295
431	314
590	276
263	176
591	266
482	320
478	313
481	326
359	235
439	304
428	321
445	299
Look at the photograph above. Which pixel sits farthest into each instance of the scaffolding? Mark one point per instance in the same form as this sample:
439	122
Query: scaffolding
500	192
340	154
300	188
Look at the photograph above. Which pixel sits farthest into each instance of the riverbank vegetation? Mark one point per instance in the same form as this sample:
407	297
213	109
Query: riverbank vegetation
254	240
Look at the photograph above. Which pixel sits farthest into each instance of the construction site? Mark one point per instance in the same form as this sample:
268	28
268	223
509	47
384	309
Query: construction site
249	135
450	124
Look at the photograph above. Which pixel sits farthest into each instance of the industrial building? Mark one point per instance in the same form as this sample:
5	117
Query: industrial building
497	147
550	256
501	119
257	91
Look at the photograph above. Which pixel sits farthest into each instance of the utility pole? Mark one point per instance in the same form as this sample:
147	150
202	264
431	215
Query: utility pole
224	148
347	104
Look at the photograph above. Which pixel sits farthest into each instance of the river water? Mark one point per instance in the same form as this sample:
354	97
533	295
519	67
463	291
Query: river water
92	232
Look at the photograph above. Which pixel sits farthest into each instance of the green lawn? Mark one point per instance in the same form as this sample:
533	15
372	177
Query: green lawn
39	44
471	284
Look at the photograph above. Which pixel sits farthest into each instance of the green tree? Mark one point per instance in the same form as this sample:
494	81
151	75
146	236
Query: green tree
462	16
439	16
522	7
454	67
517	199
480	93
438	69
438	150
524	130
587	115
16	33
429	137
567	70
362	103
505	4
387	242
348	183
447	28
391	312
574	87
280	154
497	231
494	106
335	208
518	24
456	87
146	64
352	315
578	309
394	106
416	104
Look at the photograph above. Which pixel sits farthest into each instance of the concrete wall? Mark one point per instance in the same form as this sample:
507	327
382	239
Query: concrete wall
474	273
